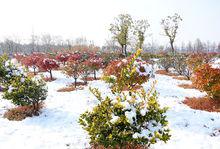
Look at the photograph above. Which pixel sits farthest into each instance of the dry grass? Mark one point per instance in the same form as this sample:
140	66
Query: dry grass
203	103
21	112
164	72
79	86
180	78
187	86
92	79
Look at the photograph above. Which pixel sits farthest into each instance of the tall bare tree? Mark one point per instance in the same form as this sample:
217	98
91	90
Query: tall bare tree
170	26
120	30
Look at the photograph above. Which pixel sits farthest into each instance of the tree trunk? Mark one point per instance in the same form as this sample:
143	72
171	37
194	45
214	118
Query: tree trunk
172	48
51	77
75	82
126	51
122	49
34	70
94	74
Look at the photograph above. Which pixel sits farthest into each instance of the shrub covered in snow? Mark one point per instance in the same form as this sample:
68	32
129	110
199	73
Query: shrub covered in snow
128	73
126	120
3	70
9	70
25	91
20	89
180	65
166	61
207	79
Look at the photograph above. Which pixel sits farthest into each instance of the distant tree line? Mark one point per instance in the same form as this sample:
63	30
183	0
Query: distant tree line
44	43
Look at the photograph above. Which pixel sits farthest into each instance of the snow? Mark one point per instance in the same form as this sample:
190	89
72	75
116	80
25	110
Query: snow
114	119
216	63
57	126
130	115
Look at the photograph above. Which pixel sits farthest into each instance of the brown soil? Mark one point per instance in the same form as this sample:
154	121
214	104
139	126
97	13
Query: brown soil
203	103
187	86
180	78
92	79
79	86
48	79
163	72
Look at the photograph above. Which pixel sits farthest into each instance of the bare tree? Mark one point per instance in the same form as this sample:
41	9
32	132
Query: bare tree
198	45
47	41
170	26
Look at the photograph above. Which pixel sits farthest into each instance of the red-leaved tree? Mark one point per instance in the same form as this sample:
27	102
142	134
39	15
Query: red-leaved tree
73	67
32	61
62	57
94	63
48	64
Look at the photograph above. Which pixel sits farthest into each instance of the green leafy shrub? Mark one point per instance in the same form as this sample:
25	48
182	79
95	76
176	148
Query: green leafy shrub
20	89
25	91
126	119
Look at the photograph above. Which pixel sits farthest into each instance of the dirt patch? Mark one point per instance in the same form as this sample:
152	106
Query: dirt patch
203	103
164	72
79	86
48	79
180	78
187	86
92	79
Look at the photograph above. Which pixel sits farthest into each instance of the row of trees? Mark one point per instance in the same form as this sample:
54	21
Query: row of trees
124	28
43	43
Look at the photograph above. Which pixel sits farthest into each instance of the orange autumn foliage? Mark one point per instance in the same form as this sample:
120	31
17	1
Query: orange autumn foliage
207	79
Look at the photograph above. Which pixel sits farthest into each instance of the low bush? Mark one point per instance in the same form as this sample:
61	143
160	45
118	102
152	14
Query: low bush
126	119
180	65
25	91
166	62
207	79
195	60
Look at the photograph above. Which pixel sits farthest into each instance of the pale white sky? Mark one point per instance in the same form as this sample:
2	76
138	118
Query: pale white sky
91	18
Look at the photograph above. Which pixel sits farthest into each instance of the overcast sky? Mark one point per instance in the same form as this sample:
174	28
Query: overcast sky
91	18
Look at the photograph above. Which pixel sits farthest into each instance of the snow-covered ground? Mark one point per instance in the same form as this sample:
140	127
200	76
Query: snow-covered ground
57	127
